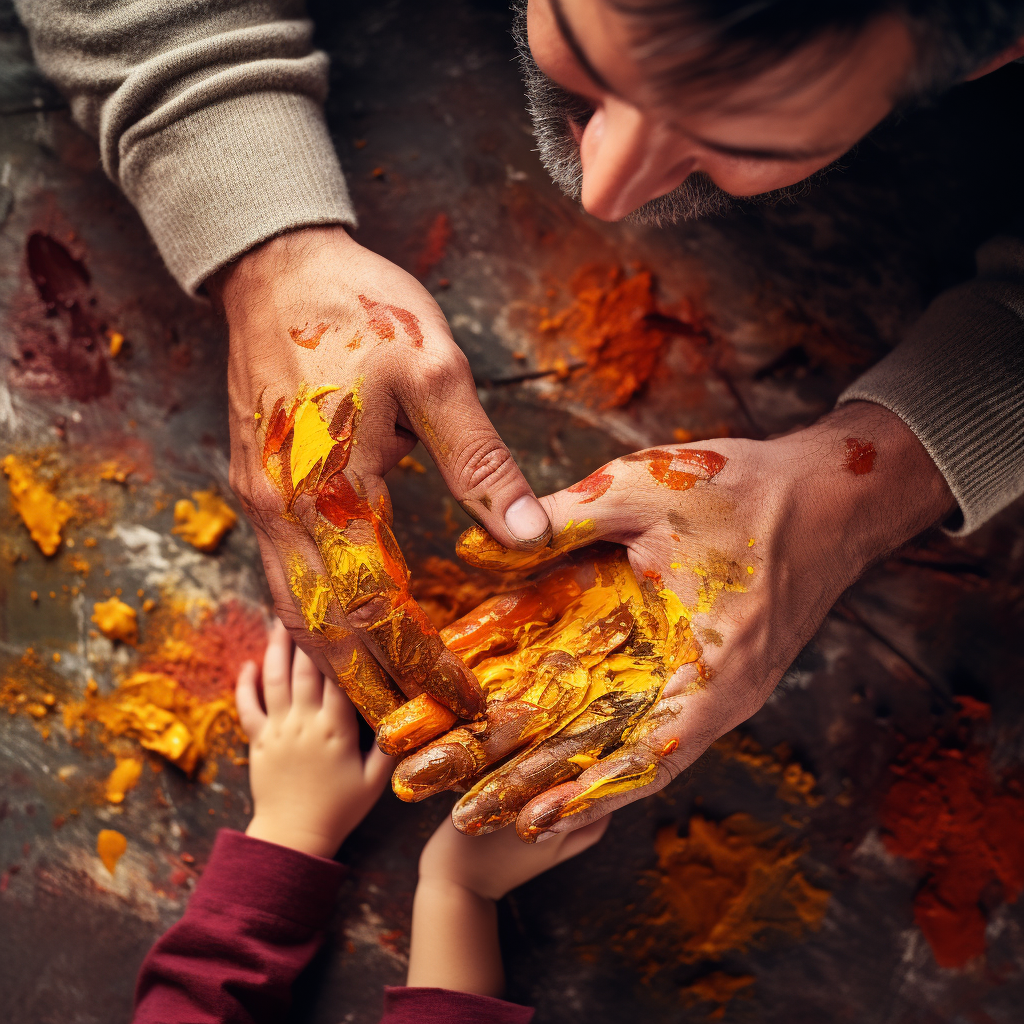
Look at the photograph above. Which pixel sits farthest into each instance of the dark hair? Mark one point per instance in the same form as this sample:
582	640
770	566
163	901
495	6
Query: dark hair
701	43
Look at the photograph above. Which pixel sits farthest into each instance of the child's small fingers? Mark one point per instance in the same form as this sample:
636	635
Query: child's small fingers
377	769
582	839
277	670
339	709
247	700
307	682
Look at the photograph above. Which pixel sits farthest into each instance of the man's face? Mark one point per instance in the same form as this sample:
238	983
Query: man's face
672	157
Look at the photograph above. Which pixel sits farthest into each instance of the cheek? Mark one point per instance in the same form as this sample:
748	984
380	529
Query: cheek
740	178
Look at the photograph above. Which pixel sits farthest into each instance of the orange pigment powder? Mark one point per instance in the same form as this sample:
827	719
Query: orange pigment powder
613	326
719	988
728	886
963	829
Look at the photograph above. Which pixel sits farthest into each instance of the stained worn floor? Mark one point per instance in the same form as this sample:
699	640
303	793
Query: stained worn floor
779	306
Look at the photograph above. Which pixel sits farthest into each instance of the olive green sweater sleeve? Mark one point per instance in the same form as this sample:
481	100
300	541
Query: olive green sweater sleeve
208	115
957	381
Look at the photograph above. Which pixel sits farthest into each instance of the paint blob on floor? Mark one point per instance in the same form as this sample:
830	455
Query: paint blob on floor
43	514
110	845
204	523
116	620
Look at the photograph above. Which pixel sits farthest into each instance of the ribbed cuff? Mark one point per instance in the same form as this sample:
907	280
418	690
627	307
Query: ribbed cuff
958	382
274	879
224	178
403	1005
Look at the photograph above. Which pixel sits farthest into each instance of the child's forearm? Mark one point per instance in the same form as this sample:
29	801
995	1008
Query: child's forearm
454	940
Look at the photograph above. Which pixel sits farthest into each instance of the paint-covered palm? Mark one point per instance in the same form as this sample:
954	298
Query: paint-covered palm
339	361
736	551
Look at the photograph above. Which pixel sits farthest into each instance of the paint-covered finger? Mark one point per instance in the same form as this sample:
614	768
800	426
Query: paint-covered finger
604	505
370	579
416	722
444	410
497	799
664	742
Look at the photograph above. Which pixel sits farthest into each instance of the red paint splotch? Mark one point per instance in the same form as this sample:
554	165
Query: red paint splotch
308	337
700	465
61	339
962	827
594	486
383	317
435	248
859	456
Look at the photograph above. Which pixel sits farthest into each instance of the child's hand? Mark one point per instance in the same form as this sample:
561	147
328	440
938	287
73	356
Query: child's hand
493	864
311	785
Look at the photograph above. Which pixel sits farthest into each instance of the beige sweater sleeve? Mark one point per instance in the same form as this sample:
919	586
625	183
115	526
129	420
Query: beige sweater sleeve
208	115
958	382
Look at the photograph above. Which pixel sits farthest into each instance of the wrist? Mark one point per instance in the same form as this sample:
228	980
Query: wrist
863	475
311	841
455	893
266	266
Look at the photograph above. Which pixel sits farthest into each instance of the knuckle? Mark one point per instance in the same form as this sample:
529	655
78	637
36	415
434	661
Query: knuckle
483	459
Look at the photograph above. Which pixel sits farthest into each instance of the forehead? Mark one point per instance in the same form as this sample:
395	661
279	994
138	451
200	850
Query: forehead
670	65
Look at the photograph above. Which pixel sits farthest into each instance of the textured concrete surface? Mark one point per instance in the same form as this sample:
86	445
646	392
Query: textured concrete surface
427	114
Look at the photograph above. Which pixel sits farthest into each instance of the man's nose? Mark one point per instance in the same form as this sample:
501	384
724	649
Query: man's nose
628	160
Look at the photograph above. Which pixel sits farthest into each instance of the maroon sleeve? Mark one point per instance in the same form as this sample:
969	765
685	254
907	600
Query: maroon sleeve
443	1006
253	923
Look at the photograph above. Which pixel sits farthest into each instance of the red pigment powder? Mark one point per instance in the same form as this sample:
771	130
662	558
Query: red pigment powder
383	317
964	830
436	246
204	657
859	457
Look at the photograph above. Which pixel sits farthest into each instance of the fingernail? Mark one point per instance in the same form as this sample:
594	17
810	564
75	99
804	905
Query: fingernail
526	520
545	836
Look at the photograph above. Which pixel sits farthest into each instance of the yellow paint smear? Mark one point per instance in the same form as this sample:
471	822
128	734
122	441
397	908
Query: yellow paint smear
312	590
203	524
116	620
477	547
41	511
311	441
110	845
123	778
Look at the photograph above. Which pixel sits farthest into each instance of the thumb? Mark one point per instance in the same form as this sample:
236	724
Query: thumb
476	464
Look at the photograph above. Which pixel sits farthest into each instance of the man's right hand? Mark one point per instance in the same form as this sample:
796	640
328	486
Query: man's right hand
339	358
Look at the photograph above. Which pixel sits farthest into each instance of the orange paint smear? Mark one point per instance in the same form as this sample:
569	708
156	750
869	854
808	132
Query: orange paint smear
383	317
594	486
702	465
859	457
962	828
436	246
726	887
310	340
